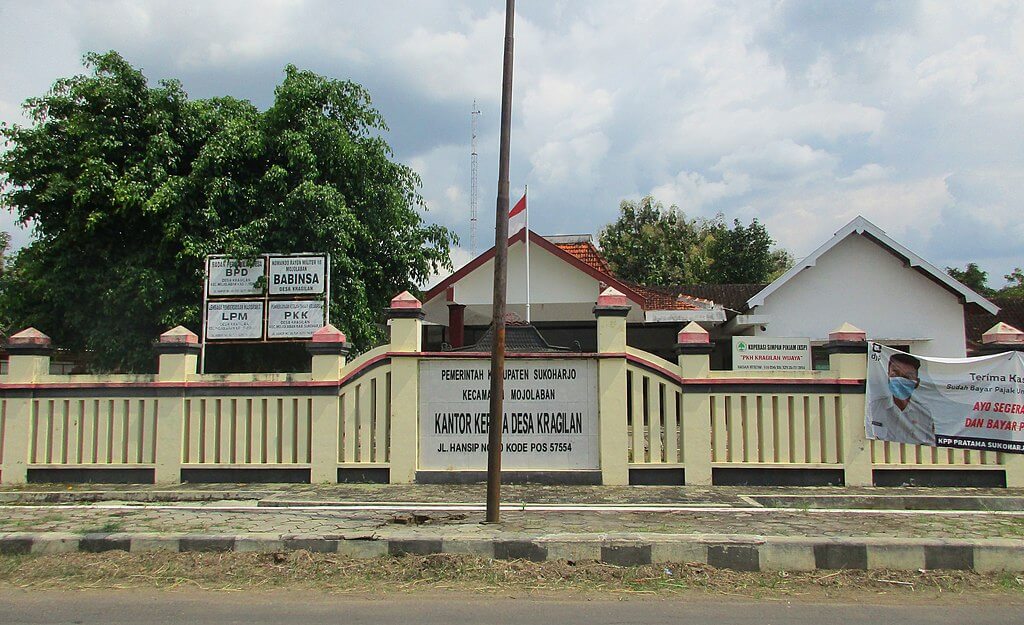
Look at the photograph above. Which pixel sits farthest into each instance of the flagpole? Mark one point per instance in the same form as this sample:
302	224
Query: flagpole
526	193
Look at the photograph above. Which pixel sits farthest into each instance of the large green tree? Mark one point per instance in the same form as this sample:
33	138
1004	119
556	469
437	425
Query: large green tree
651	244
129	186
973	277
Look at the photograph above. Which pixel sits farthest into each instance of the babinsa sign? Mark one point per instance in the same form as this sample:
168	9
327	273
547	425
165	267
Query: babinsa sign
550	419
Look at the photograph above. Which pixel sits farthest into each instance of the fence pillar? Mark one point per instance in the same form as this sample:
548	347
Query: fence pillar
693	351
847	351
611	310
178	353
1003	337
406	317
328	350
29	363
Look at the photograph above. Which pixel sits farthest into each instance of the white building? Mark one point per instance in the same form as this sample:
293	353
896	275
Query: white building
861	276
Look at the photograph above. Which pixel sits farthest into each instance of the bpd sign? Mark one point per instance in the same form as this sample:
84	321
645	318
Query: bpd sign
297	275
229	276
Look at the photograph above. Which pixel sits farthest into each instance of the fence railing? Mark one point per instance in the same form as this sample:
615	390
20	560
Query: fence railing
678	417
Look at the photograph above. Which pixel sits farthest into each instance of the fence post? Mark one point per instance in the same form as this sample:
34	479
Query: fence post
847	351
29	364
178	353
611	310
406	317
328	350
1003	337
693	351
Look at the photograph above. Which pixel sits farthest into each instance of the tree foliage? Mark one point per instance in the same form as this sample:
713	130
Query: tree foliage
129	186
651	244
977	279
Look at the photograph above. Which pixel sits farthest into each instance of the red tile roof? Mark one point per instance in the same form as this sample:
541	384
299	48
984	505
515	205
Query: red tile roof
587	253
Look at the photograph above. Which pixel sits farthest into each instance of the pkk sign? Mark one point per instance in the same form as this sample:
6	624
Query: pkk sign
969	403
229	276
772	354
297	275
234	320
550	419
295	319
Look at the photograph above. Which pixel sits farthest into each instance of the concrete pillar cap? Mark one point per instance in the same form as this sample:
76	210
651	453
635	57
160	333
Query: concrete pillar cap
30	337
179	334
405	299
847	332
999	333
328	334
612	297
693	333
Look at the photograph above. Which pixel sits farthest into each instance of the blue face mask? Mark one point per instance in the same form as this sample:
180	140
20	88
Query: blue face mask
901	388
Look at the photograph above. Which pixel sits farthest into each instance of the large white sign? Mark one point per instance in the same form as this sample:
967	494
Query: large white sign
550	420
768	353
970	403
297	275
294	319
234	320
229	276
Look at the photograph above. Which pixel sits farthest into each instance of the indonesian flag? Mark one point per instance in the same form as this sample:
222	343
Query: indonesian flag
517	217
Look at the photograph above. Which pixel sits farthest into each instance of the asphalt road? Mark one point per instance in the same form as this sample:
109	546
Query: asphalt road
280	608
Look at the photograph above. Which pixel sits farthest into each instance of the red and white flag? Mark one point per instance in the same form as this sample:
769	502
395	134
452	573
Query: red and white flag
517	217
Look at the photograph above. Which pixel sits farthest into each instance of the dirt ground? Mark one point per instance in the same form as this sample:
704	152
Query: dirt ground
301	571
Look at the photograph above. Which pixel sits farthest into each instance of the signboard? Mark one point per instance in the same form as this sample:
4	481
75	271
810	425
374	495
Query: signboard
297	275
968	403
294	319
772	354
234	320
550	420
229	276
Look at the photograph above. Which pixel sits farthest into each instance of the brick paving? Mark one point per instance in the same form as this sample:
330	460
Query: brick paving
259	515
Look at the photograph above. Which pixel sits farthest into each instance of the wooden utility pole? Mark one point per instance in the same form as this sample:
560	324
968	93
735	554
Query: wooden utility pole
500	280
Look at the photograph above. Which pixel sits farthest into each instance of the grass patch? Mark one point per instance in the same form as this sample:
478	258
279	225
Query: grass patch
335	573
110	527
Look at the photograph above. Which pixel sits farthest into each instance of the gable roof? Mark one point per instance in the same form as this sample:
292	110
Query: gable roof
863	227
601	276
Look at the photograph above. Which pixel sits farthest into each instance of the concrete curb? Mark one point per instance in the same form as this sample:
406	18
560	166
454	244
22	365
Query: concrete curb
742	553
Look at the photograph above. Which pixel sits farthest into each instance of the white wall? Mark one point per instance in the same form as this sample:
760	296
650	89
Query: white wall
558	290
860	282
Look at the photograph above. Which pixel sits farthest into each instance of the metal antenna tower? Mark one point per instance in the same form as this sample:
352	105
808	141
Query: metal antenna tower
473	191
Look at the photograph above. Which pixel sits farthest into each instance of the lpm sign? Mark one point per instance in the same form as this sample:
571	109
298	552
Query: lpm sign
234	320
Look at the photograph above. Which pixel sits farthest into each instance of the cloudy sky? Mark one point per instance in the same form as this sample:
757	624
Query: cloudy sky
802	114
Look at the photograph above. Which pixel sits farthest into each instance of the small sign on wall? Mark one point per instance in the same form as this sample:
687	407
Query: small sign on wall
297	275
234	320
294	320
771	353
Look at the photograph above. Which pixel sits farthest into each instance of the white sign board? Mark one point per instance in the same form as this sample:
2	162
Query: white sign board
234	320
295	319
229	276
772	354
550	420
297	275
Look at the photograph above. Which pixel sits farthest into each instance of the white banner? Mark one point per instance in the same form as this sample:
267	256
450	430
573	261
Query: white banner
771	353
295	319
234	320
229	276
550	420
969	403
297	275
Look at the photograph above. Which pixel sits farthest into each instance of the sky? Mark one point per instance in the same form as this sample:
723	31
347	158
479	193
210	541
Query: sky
801	114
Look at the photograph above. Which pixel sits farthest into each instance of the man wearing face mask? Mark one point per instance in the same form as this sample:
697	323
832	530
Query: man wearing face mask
897	416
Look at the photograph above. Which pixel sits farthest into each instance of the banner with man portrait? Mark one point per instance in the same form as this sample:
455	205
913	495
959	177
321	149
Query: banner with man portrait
969	403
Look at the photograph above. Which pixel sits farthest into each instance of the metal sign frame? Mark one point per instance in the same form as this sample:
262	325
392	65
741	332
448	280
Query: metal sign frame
264	297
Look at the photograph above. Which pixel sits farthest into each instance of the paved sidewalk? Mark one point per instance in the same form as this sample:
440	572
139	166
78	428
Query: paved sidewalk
736	527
